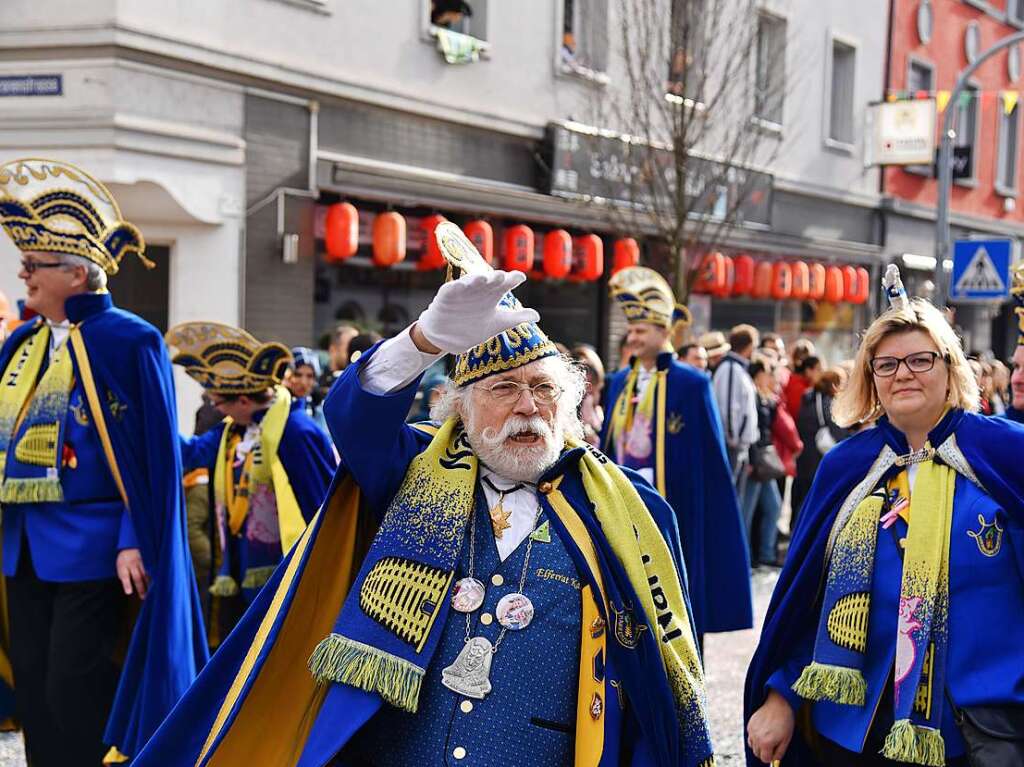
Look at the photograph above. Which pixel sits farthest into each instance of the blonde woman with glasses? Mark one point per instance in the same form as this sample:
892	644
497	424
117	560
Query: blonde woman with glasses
894	634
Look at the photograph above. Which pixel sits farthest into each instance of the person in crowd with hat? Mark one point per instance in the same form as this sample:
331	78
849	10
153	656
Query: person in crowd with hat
1015	411
716	346
504	540
271	463
301	381
93	511
661	420
893	635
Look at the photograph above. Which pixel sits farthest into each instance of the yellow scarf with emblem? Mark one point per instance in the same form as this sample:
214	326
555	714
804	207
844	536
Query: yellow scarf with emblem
263	470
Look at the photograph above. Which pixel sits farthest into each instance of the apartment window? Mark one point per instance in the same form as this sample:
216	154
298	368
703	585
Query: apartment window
688	45
1009	148
1015	12
844	67
770	75
920	77
966	134
467	18
584	44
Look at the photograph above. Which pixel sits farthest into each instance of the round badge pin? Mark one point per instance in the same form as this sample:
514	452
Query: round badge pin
515	611
468	595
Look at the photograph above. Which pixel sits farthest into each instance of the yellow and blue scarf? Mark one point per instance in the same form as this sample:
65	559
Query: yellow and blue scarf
384	641
32	418
835	674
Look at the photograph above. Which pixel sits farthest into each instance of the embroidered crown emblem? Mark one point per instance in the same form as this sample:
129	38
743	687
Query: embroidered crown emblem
675	423
989	538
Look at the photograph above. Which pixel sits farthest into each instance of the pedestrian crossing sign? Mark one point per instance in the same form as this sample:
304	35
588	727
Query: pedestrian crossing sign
981	270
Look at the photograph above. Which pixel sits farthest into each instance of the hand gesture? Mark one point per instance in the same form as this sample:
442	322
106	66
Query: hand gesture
132	573
771	728
465	312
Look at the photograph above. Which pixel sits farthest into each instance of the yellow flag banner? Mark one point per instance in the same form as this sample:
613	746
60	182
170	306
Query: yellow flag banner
1010	99
942	100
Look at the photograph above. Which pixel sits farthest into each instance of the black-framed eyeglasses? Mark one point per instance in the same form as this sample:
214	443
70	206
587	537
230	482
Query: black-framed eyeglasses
30	266
918	362
509	392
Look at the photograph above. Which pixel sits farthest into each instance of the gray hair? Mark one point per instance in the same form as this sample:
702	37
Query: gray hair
95	277
565	371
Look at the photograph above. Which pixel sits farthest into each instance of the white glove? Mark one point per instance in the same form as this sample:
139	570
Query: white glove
465	312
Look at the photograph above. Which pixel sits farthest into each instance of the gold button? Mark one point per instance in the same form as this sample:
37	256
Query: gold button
903	543
459	752
544	487
497	579
486	619
466	706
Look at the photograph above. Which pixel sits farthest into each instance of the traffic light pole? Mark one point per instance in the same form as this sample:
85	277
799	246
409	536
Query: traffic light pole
942	238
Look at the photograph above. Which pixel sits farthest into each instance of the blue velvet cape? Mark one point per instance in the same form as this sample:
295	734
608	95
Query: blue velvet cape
992	447
699	488
167	649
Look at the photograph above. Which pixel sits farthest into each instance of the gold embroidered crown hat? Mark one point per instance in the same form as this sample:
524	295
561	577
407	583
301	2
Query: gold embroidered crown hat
645	296
227	360
1017	291
53	207
508	350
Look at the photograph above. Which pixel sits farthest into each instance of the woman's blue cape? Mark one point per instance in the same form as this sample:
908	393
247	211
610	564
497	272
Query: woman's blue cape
994	448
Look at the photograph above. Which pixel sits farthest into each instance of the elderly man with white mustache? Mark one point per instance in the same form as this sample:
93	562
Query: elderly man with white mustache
521	596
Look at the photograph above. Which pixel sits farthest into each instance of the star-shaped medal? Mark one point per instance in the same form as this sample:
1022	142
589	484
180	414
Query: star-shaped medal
499	520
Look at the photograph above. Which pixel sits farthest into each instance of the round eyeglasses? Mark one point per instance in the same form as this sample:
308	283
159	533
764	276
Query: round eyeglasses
509	392
918	362
30	267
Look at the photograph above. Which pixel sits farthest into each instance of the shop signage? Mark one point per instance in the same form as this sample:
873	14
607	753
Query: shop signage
31	85
902	132
981	270
588	164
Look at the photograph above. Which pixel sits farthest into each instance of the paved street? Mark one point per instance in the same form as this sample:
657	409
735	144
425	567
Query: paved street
727	657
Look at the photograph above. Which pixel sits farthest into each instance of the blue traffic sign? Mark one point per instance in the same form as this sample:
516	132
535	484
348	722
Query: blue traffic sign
981	270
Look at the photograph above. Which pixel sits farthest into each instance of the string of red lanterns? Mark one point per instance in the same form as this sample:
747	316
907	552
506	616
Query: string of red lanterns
723	276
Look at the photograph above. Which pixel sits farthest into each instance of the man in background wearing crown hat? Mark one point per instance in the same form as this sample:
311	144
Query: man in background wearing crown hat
91	485
662	421
271	464
504	542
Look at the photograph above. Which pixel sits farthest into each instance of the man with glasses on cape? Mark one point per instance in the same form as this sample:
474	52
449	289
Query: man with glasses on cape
522	596
93	510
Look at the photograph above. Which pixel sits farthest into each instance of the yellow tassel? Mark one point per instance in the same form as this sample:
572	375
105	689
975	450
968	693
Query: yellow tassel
32	490
339	659
838	684
906	742
224	586
115	757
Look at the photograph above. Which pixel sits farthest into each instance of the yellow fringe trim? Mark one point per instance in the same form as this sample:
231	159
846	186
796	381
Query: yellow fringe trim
255	577
224	586
338	659
907	742
115	757
838	684
32	490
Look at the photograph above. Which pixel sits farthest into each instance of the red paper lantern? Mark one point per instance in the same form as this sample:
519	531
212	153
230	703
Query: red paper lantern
431	257
341	231
801	280
833	284
863	286
588	257
481	235
626	253
743	282
388	239
763	277
557	254
518	254
711	276
816	284
782	281
849	282
730	277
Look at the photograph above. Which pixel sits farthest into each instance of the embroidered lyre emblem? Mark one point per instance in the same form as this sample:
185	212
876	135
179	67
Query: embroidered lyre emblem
627	629
989	538
675	423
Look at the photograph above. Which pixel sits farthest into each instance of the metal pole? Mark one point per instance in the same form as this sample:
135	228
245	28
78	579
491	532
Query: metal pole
942	239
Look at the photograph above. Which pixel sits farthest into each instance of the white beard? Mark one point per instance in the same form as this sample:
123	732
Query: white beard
519	463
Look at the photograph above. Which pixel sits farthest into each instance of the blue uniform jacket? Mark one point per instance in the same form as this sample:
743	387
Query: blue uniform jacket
984	666
132	376
376	448
699	489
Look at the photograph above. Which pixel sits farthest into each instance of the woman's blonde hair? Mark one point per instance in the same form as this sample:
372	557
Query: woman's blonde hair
858	401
